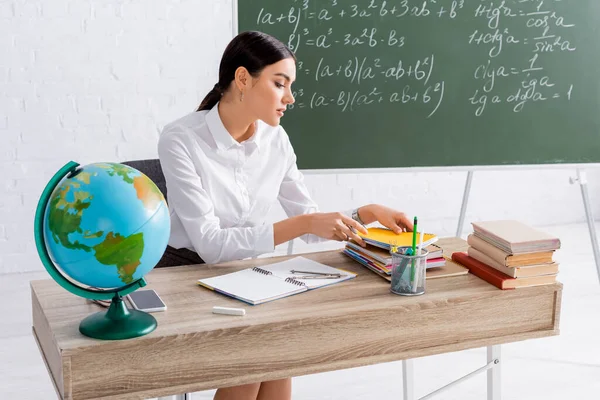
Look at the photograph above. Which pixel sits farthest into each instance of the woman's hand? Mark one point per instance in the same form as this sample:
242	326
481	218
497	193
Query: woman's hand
336	226
395	220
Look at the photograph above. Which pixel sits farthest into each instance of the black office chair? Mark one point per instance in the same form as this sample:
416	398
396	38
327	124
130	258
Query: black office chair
172	257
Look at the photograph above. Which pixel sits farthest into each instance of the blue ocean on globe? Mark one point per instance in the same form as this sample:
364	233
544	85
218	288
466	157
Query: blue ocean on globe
107	225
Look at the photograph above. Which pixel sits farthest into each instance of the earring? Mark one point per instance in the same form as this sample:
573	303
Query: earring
241	96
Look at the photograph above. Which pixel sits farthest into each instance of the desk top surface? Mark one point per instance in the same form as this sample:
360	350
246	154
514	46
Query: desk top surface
190	306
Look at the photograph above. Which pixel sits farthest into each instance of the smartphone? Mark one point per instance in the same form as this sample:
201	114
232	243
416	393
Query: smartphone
146	300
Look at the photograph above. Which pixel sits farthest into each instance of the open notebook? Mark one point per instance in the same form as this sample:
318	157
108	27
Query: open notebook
274	281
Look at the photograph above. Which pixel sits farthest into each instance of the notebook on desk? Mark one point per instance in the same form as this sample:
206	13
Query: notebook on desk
274	281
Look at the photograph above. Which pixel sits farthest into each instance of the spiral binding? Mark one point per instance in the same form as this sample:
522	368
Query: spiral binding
295	282
262	271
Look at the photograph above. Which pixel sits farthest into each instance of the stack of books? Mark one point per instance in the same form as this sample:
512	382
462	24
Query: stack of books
376	255
380	260
509	254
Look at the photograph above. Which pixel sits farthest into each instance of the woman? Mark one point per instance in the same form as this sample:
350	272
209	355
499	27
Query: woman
228	163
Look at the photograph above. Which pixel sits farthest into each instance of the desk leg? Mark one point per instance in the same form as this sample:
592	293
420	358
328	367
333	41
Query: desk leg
493	374
582	179
493	370
408	380
463	207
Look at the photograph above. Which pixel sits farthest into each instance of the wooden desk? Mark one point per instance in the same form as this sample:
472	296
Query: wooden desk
355	323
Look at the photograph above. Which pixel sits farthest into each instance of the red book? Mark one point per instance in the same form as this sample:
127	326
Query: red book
497	278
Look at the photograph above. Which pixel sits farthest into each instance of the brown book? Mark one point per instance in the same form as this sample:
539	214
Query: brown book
515	272
515	237
507	259
497	278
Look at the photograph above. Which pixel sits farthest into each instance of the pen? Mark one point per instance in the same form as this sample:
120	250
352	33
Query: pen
414	241
416	282
295	271
318	277
414	250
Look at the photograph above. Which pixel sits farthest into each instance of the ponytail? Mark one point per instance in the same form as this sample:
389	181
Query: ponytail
252	50
211	99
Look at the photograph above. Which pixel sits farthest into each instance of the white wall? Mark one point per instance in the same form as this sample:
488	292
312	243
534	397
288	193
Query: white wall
95	81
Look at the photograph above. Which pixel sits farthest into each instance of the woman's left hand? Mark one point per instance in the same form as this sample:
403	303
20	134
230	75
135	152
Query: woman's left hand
392	219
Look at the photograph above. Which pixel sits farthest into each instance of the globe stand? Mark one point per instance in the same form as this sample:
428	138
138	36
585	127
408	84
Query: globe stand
118	322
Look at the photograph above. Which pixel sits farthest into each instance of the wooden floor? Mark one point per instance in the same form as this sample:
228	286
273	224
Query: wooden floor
562	367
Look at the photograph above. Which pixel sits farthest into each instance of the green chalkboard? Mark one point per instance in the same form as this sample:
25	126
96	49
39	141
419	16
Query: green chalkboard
407	83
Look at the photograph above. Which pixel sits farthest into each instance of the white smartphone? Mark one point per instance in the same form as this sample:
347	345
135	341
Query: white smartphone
146	300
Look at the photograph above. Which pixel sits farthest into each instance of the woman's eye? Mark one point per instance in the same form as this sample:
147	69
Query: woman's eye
279	85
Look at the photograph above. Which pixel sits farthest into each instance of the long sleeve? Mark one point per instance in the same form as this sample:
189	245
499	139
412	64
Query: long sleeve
189	199
295	198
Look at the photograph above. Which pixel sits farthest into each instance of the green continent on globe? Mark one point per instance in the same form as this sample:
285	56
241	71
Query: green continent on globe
123	251
118	169
65	216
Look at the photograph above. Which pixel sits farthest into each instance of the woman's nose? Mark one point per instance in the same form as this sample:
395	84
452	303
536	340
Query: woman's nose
290	98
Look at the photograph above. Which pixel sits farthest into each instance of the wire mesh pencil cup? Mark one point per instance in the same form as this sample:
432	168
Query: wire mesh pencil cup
408	271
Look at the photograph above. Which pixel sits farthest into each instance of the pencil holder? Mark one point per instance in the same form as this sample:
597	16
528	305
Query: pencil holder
408	272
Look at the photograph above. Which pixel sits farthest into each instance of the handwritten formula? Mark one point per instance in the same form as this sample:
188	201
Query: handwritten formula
362	54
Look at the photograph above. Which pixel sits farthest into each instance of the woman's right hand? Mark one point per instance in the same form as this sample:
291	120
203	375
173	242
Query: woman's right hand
336	226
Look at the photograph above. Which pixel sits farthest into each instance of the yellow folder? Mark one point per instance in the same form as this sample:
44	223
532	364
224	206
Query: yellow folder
387	236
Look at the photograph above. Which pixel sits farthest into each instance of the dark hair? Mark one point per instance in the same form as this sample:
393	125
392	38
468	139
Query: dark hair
252	50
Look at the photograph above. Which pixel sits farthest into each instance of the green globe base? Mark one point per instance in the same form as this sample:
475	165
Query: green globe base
118	323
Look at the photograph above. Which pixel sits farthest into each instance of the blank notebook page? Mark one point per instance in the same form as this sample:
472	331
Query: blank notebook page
252	286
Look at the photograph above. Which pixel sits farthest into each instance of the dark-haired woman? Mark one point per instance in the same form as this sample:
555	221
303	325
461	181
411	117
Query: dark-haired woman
228	163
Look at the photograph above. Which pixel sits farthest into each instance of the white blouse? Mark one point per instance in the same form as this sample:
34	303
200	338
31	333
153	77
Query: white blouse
220	191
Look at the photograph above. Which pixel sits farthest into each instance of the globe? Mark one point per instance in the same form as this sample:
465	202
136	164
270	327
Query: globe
100	228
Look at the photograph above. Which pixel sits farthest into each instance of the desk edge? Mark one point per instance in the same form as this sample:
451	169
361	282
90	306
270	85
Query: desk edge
39	346
47	344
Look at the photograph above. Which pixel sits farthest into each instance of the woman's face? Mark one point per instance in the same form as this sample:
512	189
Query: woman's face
272	91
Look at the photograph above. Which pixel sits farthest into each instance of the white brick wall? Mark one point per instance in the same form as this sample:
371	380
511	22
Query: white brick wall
96	80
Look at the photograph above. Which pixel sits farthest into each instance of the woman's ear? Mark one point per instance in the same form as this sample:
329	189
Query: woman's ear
242	79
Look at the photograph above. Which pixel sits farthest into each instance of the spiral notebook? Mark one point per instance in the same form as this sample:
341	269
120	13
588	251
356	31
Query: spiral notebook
274	281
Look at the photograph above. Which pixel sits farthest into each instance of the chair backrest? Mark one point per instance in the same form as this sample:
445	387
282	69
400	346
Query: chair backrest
151	168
